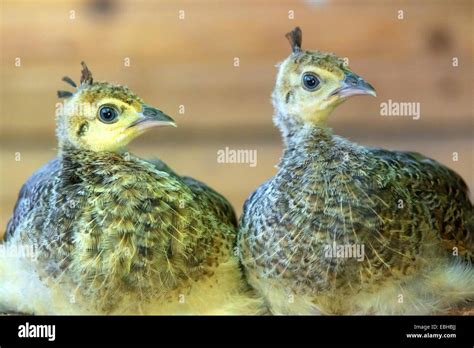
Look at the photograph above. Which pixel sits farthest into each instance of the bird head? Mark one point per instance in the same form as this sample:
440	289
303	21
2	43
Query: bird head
310	84
101	116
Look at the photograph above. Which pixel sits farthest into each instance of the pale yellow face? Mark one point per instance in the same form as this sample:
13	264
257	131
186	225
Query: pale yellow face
311	84
106	123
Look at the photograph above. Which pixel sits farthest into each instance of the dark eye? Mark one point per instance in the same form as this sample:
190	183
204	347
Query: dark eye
310	81
108	114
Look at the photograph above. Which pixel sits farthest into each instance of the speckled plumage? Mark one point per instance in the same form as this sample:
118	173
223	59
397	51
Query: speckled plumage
412	215
119	234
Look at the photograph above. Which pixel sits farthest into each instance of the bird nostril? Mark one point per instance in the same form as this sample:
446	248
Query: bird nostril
352	80
149	111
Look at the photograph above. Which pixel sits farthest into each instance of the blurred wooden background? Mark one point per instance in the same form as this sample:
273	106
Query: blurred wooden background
189	62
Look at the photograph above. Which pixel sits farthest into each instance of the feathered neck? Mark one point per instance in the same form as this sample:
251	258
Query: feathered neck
317	147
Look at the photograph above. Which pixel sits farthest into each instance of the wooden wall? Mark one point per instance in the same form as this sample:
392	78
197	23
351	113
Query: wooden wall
189	62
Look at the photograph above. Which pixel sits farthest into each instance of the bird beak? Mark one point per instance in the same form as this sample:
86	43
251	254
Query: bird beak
151	117
353	85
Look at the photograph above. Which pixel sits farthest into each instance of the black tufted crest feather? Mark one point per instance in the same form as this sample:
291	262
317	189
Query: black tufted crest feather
68	80
64	94
295	37
86	75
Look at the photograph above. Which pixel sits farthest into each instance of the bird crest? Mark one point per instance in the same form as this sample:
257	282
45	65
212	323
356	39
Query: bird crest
295	37
86	79
86	75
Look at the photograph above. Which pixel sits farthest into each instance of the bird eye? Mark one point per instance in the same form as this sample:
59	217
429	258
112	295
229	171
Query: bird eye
310	81
108	114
